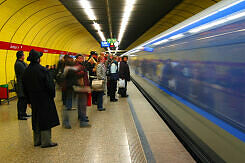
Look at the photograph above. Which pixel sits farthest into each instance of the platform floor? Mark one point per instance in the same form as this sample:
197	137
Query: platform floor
113	136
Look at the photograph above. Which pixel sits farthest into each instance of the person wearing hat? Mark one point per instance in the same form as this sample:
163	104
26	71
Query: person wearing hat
19	68
39	89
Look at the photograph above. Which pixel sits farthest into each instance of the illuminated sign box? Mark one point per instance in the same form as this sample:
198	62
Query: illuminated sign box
105	44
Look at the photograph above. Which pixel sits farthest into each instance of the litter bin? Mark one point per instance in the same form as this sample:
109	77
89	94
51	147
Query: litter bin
4	92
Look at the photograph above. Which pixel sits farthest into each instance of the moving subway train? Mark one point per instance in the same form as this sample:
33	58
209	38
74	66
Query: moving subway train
194	74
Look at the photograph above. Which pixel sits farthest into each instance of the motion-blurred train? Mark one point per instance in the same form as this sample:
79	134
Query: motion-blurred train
194	75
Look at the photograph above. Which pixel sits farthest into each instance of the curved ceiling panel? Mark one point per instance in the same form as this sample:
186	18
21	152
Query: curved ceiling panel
42	23
183	11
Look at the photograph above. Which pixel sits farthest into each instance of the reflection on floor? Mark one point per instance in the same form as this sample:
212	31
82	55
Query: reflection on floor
112	137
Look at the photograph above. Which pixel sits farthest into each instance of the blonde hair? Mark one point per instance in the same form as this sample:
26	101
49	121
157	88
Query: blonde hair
99	58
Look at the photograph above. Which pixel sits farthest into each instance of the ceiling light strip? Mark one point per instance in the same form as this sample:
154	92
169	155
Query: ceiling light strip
87	8
127	12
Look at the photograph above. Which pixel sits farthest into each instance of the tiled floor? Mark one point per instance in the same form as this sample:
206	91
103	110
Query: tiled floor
112	137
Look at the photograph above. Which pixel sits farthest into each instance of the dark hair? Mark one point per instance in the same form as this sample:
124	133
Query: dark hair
93	53
66	57
124	57
19	54
69	62
79	55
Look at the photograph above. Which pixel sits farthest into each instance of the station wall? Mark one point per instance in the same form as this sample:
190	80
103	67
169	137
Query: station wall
40	23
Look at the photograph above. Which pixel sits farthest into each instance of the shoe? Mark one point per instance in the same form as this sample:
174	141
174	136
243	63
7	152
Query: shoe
49	145
86	120
94	103
67	126
84	124
73	108
102	109
22	118
36	145
27	115
114	100
125	96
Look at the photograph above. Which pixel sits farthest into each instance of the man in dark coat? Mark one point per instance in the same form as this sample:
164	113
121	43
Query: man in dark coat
124	73
39	89
19	68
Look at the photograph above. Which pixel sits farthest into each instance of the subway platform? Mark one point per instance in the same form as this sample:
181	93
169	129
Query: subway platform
128	131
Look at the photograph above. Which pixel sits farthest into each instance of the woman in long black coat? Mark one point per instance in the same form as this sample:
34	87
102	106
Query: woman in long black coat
39	89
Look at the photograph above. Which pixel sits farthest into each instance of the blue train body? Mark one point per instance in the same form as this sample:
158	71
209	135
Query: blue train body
206	68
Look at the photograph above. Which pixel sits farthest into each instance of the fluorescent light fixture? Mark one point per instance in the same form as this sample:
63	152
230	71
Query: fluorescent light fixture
87	7
97	26
127	12
101	36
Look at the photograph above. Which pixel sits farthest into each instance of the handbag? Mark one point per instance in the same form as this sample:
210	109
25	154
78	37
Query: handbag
121	83
80	88
98	85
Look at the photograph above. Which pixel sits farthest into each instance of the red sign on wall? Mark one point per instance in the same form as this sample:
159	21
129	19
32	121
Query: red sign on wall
18	47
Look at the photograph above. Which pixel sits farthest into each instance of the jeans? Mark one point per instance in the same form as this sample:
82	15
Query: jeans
100	100
65	115
68	99
82	106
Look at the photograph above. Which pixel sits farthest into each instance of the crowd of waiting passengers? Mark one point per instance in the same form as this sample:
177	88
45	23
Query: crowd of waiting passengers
79	79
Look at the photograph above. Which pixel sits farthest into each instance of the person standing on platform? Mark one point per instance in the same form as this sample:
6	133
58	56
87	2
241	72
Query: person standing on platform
101	75
91	66
113	79
82	81
19	68
39	89
124	74
60	76
69	81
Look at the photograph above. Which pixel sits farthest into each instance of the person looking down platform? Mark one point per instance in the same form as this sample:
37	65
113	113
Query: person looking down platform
39	90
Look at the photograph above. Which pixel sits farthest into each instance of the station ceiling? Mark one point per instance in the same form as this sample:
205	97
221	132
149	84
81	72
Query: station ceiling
144	15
